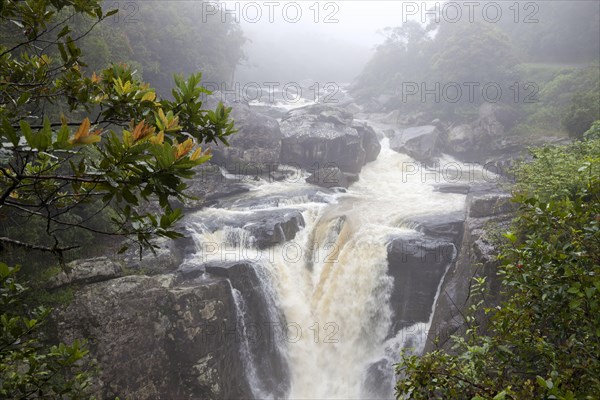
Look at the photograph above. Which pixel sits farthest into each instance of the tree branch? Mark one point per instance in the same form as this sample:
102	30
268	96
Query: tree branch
30	246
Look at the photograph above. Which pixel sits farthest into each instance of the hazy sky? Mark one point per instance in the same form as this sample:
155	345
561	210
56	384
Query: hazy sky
356	20
320	40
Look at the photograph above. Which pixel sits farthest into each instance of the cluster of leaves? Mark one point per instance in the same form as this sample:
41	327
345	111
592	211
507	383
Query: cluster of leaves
543	341
120	144
28	368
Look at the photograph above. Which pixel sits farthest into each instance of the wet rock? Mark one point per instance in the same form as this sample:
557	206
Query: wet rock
156	340
462	139
379	380
370	141
267	227
263	323
167	256
417	264
322	136
453	188
190	334
86	271
420	142
351	178
353	108
329	178
269	230
254	148
447	226
491	204
477	258
487	139
209	185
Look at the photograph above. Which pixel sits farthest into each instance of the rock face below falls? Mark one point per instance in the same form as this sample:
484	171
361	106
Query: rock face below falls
322	136
417	264
177	335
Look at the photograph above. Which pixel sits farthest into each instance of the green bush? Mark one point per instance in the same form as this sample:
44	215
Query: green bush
29	368
544	339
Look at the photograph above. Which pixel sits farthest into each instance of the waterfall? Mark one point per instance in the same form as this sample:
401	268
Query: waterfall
248	357
331	282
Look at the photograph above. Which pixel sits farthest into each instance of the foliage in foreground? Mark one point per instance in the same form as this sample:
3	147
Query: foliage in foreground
77	146
72	138
28	368
544	339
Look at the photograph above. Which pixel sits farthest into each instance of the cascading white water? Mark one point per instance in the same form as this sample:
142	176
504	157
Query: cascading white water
331	282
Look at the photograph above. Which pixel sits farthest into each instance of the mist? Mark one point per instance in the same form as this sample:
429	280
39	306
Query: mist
324	42
299	199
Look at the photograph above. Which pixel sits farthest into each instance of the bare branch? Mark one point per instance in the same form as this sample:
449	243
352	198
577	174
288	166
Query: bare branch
30	246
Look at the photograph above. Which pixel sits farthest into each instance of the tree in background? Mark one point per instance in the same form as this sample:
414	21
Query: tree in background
403	57
553	31
584	110
162	38
473	52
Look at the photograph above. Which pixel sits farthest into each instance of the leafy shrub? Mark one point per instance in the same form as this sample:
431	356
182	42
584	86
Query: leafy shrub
544	339
29	368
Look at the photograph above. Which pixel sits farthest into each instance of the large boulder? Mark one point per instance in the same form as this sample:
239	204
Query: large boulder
370	141
271	228
420	142
442	226
263	322
165	256
320	136
156	340
210	185
486	139
254	149
417	264
477	258
180	335
80	272
266	227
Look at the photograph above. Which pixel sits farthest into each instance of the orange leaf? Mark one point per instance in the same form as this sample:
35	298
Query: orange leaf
196	154
158	139
82	131
184	148
96	78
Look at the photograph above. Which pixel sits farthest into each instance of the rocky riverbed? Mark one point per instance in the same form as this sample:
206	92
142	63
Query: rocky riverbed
320	239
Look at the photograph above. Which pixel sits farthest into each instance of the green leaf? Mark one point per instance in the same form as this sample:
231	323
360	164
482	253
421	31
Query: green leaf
63	52
26	128
111	12
541	381
129	197
9	132
5	270
64	31
500	396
